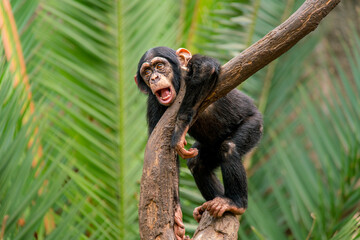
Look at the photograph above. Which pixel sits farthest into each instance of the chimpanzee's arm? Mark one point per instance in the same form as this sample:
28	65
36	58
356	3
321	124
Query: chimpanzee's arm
200	80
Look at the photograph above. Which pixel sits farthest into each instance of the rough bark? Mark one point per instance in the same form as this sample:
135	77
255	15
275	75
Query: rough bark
159	184
211	228
159	192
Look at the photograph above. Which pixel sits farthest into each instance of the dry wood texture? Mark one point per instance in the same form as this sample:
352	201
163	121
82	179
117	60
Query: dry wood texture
159	192
159	184
211	228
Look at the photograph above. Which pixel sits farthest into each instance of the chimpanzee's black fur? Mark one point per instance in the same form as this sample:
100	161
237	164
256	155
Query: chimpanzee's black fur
224	132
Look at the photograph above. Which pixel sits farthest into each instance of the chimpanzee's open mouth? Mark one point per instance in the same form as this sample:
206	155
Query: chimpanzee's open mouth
165	96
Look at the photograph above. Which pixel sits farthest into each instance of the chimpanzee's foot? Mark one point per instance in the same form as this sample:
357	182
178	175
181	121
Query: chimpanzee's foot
179	227
217	207
197	213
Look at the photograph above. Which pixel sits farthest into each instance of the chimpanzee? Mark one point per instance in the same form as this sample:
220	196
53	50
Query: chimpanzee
224	132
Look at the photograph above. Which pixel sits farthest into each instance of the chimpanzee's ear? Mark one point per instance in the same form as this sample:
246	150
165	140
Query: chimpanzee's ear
141	85
184	56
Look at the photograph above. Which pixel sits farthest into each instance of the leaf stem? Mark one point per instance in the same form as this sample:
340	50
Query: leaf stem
121	134
253	22
3	227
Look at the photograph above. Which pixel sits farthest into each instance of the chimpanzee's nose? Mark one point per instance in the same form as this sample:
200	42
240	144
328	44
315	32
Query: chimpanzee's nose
154	78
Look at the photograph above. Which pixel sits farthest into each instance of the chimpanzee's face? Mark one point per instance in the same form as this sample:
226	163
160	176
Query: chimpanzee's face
159	72
158	75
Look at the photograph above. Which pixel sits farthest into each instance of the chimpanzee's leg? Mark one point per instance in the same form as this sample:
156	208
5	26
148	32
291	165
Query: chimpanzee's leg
202	168
233	172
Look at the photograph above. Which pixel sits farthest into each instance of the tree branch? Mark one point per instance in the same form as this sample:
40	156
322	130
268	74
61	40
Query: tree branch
159	194
271	46
211	228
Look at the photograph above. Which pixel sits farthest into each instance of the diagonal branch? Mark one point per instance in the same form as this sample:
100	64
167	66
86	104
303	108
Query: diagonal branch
271	46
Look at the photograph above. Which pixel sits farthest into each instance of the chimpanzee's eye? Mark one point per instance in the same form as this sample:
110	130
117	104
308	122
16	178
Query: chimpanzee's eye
160	66
148	72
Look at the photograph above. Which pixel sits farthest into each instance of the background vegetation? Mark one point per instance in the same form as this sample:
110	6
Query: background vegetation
73	130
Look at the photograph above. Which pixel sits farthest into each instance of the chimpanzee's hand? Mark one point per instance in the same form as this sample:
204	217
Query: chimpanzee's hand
179	142
180	149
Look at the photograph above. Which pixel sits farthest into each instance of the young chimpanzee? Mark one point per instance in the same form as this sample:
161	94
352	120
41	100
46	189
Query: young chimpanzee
224	132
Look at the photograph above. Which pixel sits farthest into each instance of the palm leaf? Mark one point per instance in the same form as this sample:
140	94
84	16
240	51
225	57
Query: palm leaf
314	153
95	105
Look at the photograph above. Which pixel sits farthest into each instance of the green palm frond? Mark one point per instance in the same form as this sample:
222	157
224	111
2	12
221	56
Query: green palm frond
96	105
228	29
93	124
30	183
26	191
